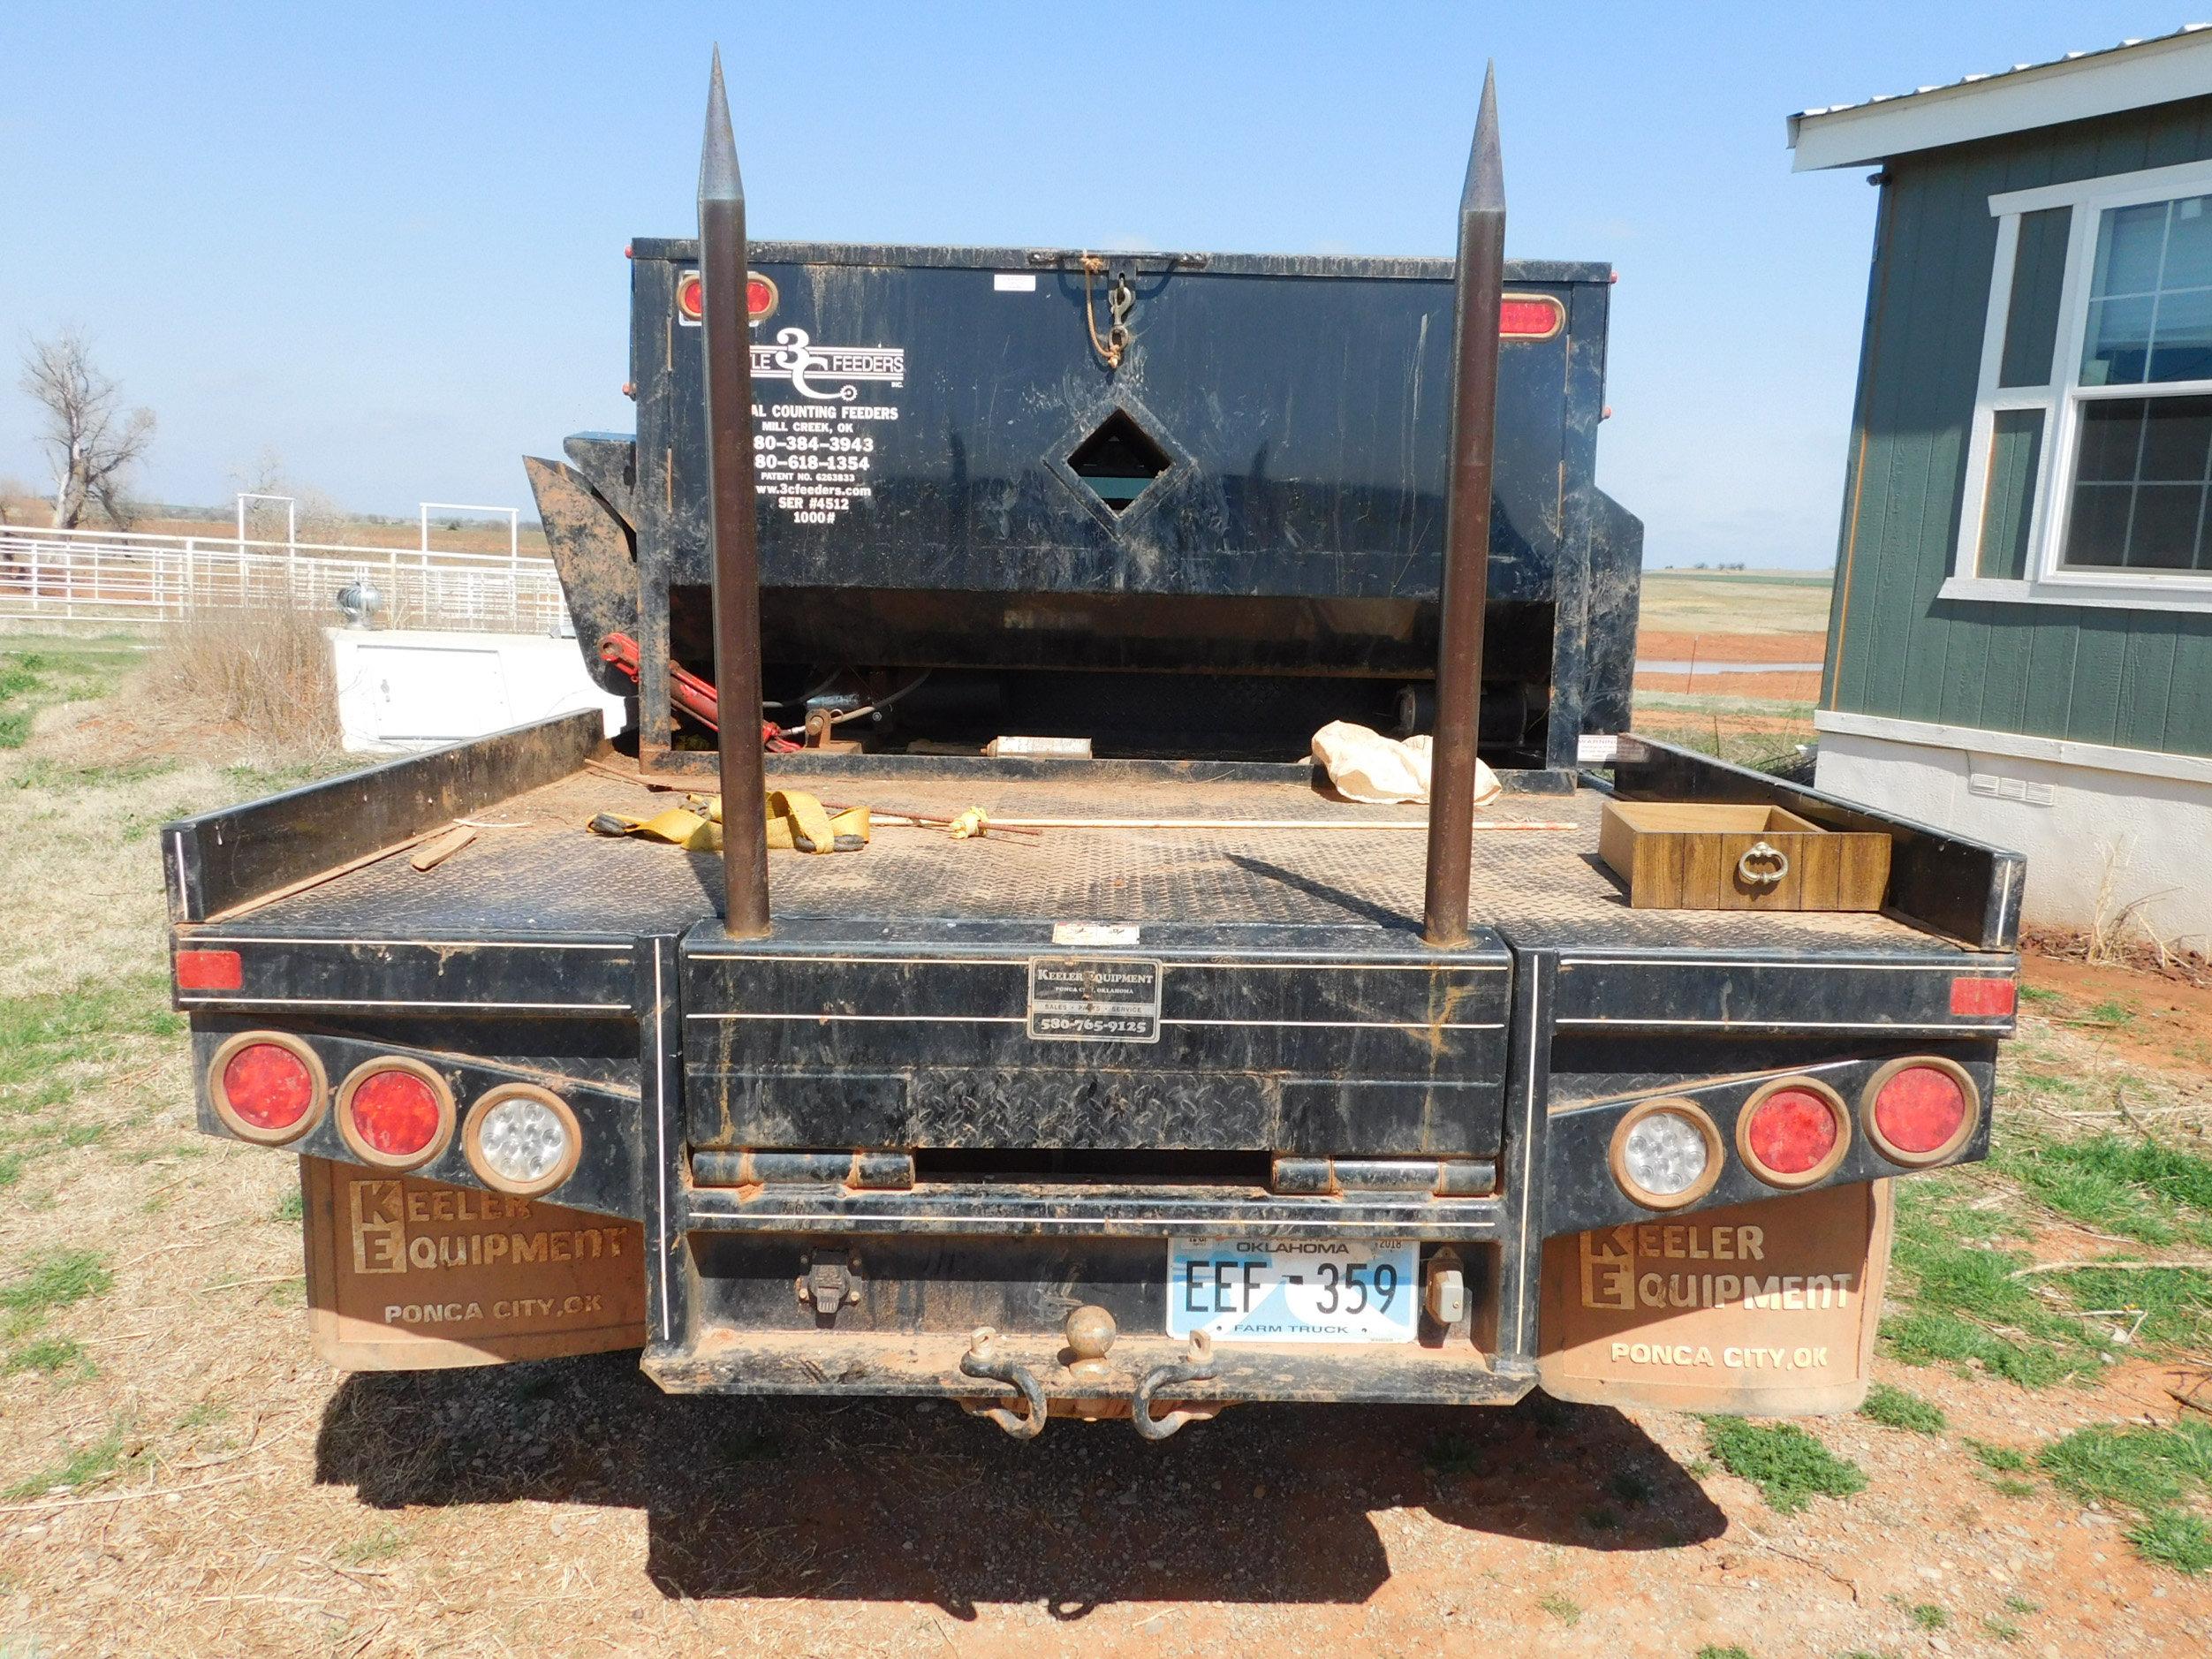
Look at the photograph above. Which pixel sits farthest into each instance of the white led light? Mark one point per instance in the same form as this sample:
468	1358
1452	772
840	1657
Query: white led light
523	1140
1664	1153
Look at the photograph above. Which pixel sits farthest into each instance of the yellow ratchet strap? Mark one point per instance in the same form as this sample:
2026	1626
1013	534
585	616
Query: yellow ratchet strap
796	821
677	826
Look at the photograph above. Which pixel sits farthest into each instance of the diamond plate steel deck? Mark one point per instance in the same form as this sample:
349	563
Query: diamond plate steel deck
1543	888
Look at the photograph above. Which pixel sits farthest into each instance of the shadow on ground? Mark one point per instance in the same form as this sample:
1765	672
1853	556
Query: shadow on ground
882	1500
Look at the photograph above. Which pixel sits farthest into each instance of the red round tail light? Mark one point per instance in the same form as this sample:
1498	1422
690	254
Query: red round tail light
691	295
1793	1133
267	1086
397	1113
1921	1111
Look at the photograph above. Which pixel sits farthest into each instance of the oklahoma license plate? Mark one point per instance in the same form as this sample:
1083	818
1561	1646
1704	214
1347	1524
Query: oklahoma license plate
1283	1289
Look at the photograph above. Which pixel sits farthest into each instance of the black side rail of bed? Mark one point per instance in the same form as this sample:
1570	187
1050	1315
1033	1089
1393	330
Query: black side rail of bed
220	860
1960	888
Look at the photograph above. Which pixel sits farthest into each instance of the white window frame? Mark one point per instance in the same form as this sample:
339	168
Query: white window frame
2046	582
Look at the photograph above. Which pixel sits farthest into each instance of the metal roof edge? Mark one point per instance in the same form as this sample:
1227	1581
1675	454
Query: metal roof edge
2132	75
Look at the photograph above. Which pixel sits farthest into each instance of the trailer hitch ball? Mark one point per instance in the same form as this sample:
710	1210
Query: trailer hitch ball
1198	1368
984	1359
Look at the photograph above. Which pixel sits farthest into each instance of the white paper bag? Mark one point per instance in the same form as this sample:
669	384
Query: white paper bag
1366	766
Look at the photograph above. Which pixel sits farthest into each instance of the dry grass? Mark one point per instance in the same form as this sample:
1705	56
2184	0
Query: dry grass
262	677
1736	602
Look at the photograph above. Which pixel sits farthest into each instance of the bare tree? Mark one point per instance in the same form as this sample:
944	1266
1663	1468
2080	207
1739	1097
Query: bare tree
321	517
91	439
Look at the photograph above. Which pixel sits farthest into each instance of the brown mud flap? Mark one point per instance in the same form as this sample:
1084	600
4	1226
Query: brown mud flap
406	1274
1767	1309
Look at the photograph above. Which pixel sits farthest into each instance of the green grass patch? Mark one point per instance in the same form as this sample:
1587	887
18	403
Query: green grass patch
56	1046
1729	1652
2140	1467
204	1416
2137	1187
48	1356
381	1545
2164	1308
1566	1609
1789	1467
290	1206
40	1032
1895	1408
95	1462
38	772
1927	1616
2175	1540
53	671
2153	1471
11	1168
56	1280
2036	996
2001	1628
1964	1307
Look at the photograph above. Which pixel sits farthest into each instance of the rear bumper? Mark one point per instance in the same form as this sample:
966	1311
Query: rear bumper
725	1361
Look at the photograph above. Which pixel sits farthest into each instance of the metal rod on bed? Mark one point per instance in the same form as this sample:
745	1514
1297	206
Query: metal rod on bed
733	531
1464	590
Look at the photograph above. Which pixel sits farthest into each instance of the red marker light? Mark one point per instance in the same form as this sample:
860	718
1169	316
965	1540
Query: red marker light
1530	317
1921	1111
760	295
268	1085
690	295
210	971
1984	996
1794	1133
397	1113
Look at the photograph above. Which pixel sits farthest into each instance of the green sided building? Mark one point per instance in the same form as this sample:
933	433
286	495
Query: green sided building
2020	648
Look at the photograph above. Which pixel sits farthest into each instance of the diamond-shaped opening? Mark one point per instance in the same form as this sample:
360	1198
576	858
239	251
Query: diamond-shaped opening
1118	461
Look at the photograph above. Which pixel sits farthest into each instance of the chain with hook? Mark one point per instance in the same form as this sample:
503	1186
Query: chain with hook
1121	300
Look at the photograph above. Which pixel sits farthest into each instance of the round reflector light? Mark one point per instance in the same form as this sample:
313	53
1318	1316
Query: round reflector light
267	1086
690	295
1793	1133
521	1138
1666	1154
1921	1111
397	1113
760	295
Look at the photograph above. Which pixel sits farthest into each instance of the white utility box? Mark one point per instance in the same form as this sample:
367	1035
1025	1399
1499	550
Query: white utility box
402	689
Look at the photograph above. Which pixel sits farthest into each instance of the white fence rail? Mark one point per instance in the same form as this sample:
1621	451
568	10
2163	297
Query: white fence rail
118	579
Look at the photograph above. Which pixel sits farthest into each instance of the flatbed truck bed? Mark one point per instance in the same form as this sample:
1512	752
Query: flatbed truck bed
1539	888
1262	1095
868	1079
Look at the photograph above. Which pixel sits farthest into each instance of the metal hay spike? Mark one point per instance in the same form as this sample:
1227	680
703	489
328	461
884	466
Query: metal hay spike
1485	189
718	179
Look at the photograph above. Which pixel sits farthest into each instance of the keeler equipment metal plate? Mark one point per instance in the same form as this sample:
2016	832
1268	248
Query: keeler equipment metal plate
1293	1289
1094	999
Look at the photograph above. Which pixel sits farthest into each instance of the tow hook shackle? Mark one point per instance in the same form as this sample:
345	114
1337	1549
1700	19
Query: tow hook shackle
1199	1367
984	1360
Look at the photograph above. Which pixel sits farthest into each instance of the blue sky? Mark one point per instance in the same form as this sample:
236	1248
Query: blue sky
386	242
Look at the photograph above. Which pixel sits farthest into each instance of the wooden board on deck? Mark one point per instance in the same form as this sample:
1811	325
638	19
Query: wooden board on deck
1702	855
